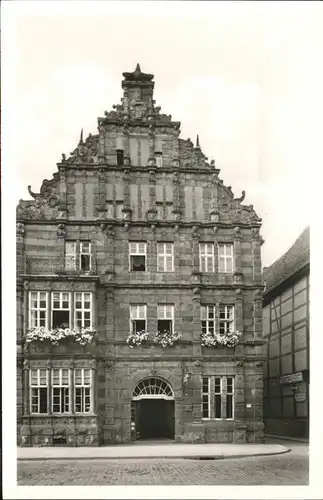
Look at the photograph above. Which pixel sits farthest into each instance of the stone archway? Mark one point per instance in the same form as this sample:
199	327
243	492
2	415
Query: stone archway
153	409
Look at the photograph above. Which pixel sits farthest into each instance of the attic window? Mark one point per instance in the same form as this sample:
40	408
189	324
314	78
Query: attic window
119	156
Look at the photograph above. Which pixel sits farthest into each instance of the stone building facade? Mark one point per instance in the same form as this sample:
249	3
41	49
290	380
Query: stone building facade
286	319
136	231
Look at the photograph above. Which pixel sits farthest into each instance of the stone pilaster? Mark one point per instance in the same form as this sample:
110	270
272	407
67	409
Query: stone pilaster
195	251
257	314
61	234
110	316
237	277
126	146
239	403
197	349
62	184
256	252
102	193
216	251
238	309
151	146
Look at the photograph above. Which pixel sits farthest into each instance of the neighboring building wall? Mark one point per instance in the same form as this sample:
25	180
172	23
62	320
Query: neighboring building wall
286	374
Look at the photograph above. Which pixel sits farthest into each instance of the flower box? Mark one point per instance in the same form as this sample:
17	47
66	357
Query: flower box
82	336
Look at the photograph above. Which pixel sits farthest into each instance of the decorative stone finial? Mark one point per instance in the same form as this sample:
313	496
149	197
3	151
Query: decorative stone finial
81	137
197	141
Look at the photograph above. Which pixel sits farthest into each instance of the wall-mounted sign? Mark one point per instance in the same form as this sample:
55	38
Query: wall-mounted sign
292	378
300	397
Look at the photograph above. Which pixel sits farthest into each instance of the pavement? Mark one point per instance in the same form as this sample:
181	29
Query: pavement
153	450
285	469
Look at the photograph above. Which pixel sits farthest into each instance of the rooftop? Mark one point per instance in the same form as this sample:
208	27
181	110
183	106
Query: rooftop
295	259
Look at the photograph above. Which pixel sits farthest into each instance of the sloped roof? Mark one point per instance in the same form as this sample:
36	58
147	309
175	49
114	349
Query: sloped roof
290	263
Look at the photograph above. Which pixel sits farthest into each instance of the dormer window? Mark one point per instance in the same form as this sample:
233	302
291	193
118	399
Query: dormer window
159	159
119	156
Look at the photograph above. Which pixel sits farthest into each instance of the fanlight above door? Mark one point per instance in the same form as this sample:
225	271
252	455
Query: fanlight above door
152	388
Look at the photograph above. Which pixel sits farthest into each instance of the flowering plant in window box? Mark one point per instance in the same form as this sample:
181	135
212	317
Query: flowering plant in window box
136	338
167	339
228	339
82	336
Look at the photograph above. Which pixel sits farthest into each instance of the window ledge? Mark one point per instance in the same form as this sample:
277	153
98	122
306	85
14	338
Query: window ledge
59	415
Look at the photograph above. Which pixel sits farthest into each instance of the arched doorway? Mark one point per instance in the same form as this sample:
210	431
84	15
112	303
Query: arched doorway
152	409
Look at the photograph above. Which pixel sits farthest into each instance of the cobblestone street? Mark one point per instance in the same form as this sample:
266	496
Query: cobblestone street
287	469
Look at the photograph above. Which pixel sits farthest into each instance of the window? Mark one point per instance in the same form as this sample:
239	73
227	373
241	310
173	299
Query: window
165	318
119	208
208	319
83	390
226	319
225	258
206	257
38	391
160	210
83	310
165	257
85	255
61	390
38	304
60	310
169	211
78	257
137	256
119	156
218	397
206	399
159	159
138	315
109	208
61	316
70	255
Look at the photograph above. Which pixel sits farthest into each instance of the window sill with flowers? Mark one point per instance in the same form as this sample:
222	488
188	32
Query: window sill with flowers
165	339
81	336
228	339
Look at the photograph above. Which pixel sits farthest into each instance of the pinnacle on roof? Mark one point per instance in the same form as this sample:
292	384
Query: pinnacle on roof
138	75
